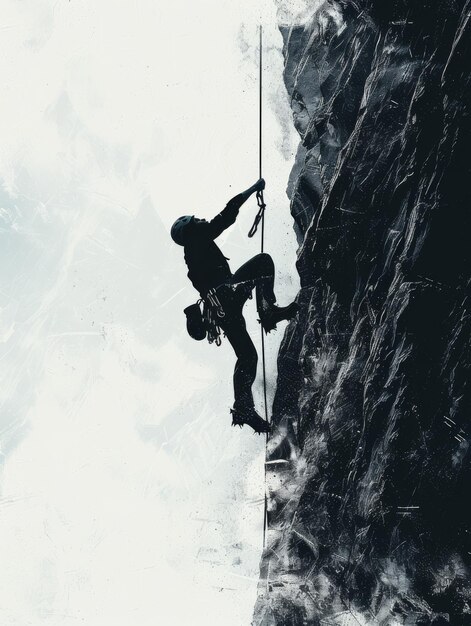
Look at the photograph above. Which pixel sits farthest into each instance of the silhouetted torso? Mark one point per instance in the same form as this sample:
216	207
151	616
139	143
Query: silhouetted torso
207	266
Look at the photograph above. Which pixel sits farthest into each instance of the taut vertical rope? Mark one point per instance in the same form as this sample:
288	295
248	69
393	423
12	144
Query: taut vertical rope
260	217
261	204
260	111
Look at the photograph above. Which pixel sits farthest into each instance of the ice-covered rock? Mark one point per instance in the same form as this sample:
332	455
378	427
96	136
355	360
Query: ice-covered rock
369	470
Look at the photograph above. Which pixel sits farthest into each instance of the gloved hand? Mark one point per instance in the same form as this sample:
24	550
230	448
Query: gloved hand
259	185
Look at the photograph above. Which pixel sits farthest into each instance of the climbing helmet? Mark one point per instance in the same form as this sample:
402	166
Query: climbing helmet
178	229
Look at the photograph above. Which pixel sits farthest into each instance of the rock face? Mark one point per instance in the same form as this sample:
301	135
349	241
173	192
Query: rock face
368	469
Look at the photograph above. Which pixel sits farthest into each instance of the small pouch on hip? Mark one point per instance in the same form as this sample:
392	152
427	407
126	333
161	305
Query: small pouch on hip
194	322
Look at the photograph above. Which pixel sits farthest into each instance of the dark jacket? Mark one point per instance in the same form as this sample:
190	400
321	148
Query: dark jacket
207	266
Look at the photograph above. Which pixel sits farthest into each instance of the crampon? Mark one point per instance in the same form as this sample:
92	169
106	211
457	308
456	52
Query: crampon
271	316
251	418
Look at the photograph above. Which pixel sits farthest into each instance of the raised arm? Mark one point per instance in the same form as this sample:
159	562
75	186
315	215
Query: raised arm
228	215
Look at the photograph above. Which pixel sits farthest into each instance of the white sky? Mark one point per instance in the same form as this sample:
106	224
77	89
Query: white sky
126	498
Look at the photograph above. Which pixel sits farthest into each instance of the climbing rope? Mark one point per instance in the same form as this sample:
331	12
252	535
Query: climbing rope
260	217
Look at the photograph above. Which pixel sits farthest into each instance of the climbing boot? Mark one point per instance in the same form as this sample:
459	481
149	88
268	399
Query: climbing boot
251	418
270	316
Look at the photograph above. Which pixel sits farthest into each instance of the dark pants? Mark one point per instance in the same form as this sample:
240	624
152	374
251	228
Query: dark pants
258	273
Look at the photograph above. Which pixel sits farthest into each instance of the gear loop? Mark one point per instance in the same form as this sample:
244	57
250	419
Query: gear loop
213	312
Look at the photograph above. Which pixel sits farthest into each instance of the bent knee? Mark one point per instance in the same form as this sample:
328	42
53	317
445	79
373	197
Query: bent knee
264	257
265	260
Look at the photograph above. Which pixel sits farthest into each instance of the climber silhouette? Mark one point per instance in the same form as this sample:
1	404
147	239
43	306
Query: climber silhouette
211	276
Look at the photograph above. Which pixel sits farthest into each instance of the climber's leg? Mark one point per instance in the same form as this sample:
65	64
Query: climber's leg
246	366
258	272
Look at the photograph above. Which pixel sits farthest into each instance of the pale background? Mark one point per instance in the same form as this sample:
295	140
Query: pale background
126	497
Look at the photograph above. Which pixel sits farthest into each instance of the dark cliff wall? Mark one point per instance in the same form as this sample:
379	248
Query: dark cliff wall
369	468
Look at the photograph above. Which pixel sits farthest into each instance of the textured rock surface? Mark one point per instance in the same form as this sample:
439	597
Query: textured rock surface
369	469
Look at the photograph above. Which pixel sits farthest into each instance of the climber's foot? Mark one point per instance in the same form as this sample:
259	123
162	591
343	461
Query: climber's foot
251	418
270	317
